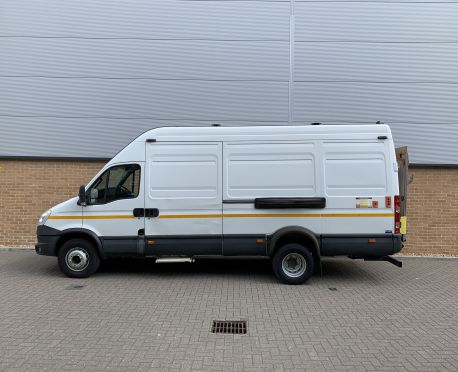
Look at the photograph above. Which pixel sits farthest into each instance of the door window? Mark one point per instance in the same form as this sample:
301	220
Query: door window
118	182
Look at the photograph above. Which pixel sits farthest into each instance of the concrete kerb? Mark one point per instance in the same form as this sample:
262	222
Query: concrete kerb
15	249
23	249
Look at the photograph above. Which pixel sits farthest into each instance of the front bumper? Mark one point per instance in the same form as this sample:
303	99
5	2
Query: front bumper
46	245
47	239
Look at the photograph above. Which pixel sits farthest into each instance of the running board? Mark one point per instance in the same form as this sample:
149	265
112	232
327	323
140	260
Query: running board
389	259
174	259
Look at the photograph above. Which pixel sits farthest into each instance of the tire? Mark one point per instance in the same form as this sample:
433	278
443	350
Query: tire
293	264
78	258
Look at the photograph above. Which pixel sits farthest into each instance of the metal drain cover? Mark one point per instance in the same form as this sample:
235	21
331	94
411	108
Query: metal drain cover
235	327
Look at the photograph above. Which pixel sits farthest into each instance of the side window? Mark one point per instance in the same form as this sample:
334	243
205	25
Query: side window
118	182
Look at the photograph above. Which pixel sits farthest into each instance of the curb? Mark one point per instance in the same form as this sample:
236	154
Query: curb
427	256
25	249
16	249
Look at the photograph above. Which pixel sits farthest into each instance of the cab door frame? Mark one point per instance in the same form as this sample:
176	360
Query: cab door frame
114	222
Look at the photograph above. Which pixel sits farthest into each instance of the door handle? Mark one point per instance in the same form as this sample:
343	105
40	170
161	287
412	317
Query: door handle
151	212
148	212
139	212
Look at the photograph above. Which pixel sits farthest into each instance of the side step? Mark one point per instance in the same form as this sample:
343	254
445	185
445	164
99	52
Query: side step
389	259
174	259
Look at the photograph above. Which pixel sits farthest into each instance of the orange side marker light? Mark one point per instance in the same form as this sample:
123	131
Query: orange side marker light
387	201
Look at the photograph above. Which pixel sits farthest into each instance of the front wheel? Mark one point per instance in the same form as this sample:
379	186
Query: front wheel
78	258
293	264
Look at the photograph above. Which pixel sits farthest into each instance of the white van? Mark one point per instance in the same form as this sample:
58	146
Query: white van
290	193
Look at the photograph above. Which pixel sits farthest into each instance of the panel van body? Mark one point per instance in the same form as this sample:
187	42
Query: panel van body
238	191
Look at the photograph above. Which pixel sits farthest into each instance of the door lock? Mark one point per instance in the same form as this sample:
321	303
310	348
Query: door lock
146	212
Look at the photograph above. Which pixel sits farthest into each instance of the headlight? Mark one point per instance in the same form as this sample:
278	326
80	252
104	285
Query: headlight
44	217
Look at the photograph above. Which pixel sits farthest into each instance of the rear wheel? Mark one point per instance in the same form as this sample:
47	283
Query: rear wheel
78	258
293	264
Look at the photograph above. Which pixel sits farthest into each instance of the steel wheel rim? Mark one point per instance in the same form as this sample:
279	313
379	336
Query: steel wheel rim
77	259
294	265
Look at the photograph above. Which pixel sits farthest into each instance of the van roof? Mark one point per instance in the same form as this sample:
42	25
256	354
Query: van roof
226	133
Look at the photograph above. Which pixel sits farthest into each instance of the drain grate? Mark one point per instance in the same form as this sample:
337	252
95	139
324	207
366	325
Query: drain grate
236	327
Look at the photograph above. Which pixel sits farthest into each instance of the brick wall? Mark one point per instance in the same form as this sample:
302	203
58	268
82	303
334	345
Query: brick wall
29	187
432	212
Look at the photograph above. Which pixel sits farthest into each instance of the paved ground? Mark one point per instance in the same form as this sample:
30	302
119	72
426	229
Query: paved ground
138	316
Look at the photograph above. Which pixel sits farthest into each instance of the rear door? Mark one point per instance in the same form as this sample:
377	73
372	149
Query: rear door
183	198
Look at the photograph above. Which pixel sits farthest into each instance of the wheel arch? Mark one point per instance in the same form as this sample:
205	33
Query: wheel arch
80	234
295	234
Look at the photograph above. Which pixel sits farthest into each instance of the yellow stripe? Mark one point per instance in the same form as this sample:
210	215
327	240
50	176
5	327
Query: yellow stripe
272	215
358	215
190	216
89	217
107	217
252	215
230	215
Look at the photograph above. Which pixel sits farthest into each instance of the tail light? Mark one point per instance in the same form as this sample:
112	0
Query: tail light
397	214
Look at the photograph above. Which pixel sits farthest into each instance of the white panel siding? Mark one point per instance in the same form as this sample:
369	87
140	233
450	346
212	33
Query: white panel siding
394	61
429	143
376	21
145	59
83	137
158	19
83	78
363	102
382	62
155	99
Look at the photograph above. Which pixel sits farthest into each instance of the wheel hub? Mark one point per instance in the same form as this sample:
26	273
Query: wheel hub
294	265
77	259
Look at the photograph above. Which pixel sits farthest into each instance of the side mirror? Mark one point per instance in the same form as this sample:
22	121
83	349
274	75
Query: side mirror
82	196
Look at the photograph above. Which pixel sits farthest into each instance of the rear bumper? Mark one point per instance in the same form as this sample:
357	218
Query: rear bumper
361	246
47	238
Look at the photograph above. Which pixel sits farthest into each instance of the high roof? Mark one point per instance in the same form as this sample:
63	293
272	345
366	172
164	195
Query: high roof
221	133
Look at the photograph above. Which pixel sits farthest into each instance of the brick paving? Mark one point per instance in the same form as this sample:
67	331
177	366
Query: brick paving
134	315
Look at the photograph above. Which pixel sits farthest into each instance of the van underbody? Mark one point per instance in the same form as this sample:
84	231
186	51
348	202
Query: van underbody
354	246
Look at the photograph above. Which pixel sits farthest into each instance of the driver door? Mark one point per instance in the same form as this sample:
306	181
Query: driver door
109	213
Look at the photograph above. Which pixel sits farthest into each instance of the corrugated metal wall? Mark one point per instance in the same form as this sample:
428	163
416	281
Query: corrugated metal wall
82	78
